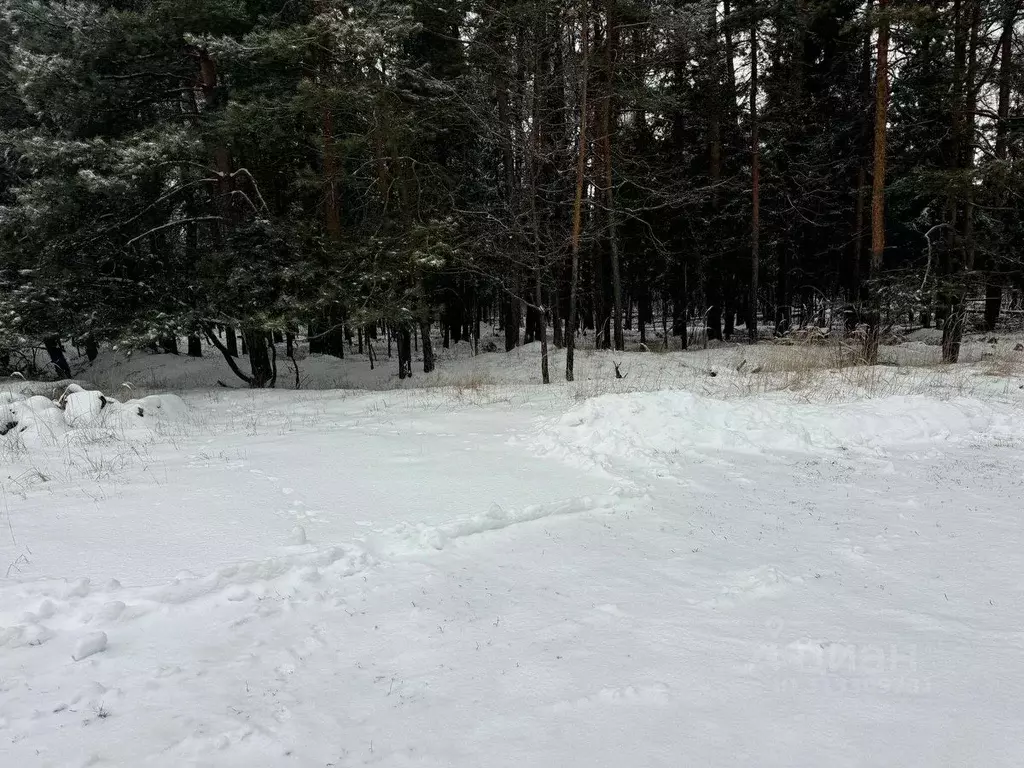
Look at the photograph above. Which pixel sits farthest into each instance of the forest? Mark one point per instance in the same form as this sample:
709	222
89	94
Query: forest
253	174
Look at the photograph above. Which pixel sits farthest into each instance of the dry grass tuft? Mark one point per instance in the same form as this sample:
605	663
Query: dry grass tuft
1003	363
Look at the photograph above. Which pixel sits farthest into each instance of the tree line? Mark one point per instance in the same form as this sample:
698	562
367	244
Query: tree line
262	171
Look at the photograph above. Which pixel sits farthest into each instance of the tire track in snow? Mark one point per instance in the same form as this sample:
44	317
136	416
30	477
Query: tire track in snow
410	538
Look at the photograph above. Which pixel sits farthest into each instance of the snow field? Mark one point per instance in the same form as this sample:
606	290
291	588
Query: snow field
506	575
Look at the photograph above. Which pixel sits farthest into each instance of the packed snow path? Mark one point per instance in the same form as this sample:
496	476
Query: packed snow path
414	579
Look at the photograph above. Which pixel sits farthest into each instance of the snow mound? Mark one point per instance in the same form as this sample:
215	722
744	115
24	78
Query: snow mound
651	427
40	419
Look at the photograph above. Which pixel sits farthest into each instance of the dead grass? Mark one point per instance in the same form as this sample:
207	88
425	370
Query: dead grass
1003	363
12	447
467	382
804	357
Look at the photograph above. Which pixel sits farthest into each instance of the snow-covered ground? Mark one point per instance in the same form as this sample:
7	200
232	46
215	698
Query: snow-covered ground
695	565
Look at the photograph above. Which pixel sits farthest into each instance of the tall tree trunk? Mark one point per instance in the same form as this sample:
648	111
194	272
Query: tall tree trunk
715	266
732	113
55	350
598	293
967	23
994	287
262	373
993	304
783	319
231	340
262	370
855	289
643	312
729	322
682	308
538	258
314	333
577	210
755	177
332	332
477	310
967	143
557	328
510	317
323	70
664	318
732	300
1005	79
509	306
953	329
428	346
404	333
542	330
878	181
195	340
214	98
530	329
608	120
854	293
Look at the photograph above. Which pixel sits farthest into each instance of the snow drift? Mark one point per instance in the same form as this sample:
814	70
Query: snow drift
647	427
38	418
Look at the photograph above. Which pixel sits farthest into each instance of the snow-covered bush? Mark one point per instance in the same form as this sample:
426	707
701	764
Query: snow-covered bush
38	419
